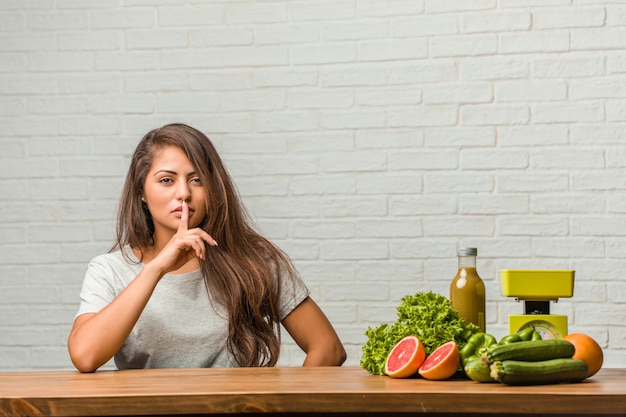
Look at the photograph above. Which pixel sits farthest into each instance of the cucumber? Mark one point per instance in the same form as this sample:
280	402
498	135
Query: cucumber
552	371
530	351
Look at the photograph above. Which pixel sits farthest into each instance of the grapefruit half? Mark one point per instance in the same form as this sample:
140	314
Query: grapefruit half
405	358
442	363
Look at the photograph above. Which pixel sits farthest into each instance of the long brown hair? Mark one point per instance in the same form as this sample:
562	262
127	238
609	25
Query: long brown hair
244	272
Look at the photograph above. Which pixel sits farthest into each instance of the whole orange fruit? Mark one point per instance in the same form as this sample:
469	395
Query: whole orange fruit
587	350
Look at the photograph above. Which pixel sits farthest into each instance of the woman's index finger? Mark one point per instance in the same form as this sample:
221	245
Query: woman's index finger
184	218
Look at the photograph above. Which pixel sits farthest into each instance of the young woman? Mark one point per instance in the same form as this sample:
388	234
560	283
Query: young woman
189	283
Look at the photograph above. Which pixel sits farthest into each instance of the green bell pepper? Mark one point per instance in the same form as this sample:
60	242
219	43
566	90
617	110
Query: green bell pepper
477	344
471	355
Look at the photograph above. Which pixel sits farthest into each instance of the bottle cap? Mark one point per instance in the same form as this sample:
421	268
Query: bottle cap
467	252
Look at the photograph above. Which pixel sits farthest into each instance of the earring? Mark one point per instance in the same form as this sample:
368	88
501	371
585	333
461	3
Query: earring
143	199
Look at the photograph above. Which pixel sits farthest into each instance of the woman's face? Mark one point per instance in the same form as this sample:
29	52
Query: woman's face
171	180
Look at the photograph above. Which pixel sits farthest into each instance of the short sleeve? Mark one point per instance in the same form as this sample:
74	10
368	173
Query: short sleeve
98	290
293	291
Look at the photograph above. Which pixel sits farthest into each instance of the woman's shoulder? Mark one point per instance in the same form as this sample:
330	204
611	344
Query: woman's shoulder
123	258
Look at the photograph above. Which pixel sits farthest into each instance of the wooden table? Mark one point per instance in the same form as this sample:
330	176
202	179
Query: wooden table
312	391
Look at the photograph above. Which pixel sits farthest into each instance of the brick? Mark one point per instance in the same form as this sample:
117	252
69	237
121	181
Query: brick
424	116
138	60
27	42
533	183
277	77
547	41
490	114
572	65
463	46
353	119
316	99
324	10
579	111
551	204
387	139
598	134
607	87
389	229
597	181
458	93
354	76
516	91
549	159
591	226
235	14
530	136
354	207
447	6
594	39
437	159
377	8
198	15
493	159
493	204
351	162
123	19
344	31
496	22
389	184
57	21
421	205
528	226
560	18
13	148
128	104
323	229
431	71
286	121
395	49
494	68
444	182
220	81
426	25
322	54
88	41
326	185
291	34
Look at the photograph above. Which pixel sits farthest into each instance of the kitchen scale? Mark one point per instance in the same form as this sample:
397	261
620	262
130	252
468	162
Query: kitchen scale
537	288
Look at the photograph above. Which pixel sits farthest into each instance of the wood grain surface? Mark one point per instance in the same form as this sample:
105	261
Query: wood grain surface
312	391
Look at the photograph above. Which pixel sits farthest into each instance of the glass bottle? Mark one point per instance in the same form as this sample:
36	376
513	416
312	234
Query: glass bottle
467	289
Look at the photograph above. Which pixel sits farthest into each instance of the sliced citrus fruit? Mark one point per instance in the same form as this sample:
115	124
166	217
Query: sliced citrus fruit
405	358
442	363
587	350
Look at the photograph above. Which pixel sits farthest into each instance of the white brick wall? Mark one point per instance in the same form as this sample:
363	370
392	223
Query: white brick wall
369	138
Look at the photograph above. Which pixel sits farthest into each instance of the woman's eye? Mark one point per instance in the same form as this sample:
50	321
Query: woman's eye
165	180
195	180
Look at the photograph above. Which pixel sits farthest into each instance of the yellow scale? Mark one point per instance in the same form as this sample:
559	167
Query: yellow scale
537	288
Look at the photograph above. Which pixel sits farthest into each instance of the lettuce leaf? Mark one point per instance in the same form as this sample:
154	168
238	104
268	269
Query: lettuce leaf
427	315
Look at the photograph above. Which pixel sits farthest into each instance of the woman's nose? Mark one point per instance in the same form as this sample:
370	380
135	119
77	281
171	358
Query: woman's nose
184	192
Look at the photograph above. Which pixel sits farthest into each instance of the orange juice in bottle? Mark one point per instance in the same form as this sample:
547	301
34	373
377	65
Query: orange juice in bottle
467	289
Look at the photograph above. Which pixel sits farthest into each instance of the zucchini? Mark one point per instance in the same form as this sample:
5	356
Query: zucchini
552	371
530	351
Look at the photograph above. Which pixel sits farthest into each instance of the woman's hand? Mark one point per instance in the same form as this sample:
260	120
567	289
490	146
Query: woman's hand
184	246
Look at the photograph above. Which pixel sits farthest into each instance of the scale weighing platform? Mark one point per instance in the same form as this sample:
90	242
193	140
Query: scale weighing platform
537	288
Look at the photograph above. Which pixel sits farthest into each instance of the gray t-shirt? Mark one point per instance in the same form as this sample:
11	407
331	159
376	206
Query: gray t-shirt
180	327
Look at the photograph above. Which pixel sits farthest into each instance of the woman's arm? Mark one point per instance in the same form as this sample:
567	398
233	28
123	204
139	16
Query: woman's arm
96	337
312	331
